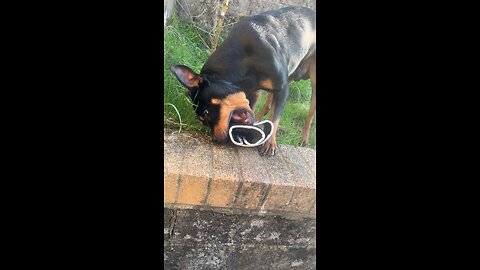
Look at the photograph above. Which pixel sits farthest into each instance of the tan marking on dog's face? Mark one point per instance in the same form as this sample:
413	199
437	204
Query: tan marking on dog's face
216	101
266	84
227	105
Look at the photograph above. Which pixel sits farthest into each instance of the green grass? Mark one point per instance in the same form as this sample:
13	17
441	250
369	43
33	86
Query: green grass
183	44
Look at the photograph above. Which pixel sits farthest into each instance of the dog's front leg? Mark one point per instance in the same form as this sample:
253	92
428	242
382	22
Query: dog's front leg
266	107
278	105
313	106
253	97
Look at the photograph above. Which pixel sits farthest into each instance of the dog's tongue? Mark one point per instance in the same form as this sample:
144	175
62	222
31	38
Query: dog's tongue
240	117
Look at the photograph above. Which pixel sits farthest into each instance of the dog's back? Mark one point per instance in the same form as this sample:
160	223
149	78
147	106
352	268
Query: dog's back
274	39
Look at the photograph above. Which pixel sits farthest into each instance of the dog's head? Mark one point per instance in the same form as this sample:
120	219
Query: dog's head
217	103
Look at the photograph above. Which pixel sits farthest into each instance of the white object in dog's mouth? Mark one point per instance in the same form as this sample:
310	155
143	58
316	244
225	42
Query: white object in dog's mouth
250	136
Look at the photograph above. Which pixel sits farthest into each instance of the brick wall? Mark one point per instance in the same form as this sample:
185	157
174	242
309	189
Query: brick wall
200	175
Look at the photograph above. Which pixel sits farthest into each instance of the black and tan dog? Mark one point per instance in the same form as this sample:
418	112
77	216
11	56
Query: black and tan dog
262	52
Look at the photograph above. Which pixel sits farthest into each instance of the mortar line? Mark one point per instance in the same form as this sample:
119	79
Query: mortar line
240	176
263	197
207	193
292	171
210	178
180	178
296	187
265	189
291	197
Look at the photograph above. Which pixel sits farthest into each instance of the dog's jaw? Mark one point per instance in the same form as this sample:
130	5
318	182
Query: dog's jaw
233	103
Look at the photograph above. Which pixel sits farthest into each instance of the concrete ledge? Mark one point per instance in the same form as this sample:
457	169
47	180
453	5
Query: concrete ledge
208	240
198	174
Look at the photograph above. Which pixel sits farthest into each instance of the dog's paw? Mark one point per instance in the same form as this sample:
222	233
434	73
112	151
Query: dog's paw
304	142
269	148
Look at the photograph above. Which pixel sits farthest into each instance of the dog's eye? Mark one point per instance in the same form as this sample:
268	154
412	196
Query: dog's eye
205	112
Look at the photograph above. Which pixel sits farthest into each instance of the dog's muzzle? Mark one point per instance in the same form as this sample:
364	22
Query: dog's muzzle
251	136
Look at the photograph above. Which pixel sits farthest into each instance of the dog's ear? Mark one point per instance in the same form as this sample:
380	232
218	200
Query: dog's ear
186	76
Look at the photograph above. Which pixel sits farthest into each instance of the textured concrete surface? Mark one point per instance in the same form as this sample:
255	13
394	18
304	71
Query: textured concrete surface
196	239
